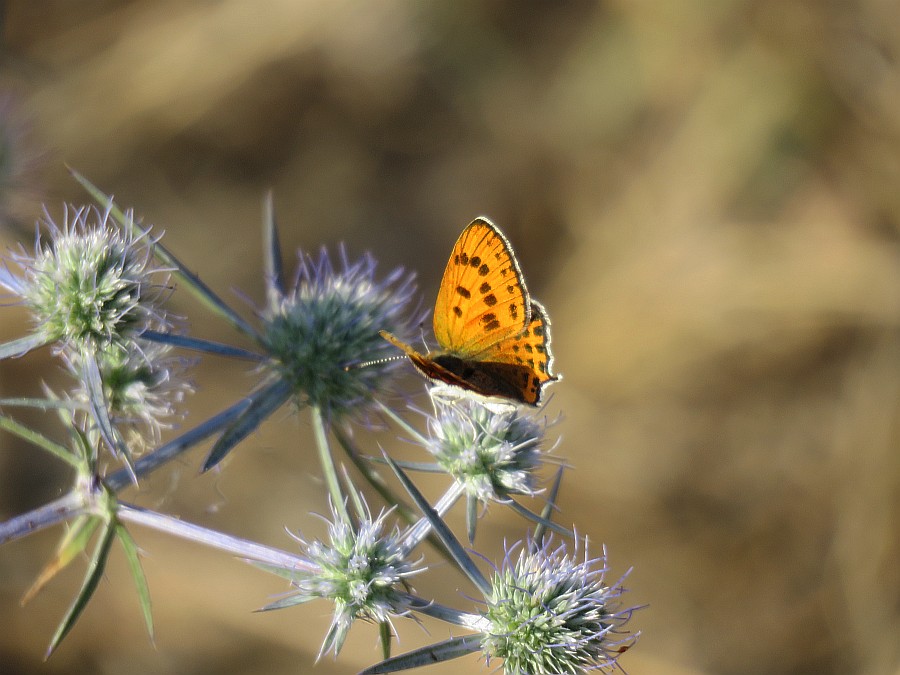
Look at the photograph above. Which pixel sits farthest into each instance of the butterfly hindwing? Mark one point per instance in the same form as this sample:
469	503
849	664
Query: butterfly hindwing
488	378
485	378
529	350
482	299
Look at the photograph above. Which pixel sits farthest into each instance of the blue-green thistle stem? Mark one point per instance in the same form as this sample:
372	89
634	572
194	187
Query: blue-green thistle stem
66	507
218	540
329	472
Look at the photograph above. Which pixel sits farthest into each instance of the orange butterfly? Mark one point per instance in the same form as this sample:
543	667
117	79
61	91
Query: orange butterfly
494	339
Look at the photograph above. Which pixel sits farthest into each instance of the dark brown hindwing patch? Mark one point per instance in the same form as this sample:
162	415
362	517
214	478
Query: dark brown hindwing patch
488	378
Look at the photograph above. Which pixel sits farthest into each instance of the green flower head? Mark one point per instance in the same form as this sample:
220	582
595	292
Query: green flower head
361	570
90	284
327	325
491	452
549	613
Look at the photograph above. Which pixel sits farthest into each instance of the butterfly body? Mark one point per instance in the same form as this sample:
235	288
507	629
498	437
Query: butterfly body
494	339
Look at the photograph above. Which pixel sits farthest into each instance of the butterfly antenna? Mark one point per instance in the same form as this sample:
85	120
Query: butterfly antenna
374	362
422	335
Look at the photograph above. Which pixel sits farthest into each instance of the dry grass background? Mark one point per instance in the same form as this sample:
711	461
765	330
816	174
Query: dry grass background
705	196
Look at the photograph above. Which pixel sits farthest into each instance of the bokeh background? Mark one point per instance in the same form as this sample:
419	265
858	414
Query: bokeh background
705	195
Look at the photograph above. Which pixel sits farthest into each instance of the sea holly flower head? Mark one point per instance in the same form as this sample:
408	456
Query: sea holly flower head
143	386
492	452
90	284
549	613
324	336
361	570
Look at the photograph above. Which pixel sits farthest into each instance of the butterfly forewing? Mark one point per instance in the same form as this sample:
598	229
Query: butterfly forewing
482	300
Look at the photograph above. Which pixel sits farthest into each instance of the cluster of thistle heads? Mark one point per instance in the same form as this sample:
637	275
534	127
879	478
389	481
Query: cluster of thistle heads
96	284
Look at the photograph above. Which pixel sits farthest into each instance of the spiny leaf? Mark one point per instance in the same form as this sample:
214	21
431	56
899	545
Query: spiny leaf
177	446
45	404
471	517
540	520
100	410
201	345
426	656
21	346
547	512
272	255
91	580
287	601
137	573
40	441
277	570
262	404
72	544
451	543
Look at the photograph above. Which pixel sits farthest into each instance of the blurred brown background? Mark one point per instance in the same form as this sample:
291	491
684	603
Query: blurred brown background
704	195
